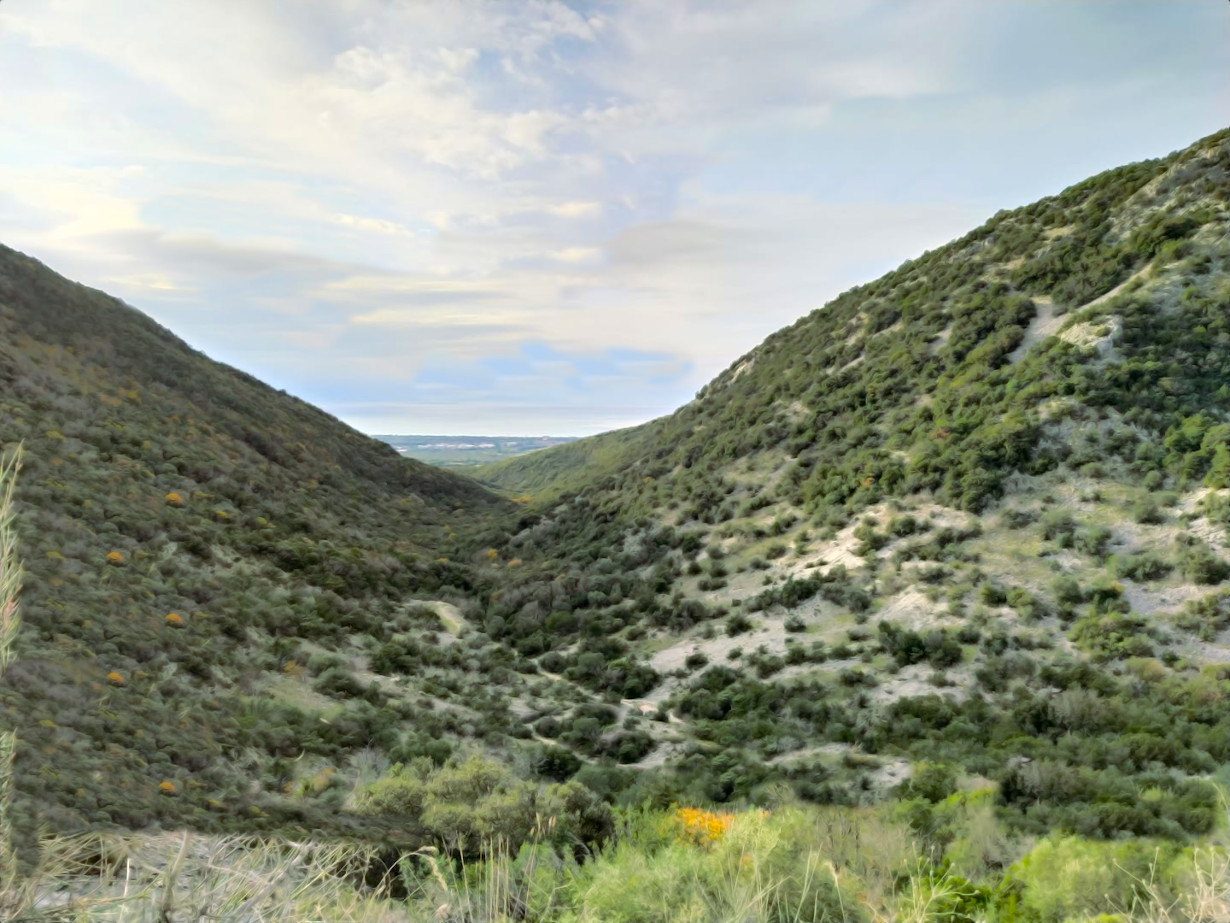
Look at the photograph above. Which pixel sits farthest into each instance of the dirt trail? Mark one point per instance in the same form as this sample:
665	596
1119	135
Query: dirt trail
1047	323
450	616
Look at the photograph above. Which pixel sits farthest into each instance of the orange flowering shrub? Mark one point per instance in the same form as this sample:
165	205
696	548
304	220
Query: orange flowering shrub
166	788
115	679
174	499
174	619
700	827
115	557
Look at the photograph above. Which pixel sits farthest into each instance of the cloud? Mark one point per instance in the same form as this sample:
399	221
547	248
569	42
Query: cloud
576	255
576	209
149	283
361	198
376	225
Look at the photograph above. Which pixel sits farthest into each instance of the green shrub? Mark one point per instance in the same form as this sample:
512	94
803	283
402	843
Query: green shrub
1144	566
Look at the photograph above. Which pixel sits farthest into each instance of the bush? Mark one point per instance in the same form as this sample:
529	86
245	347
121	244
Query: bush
696	660
1092	540
464	807
1144	566
1069	878
737	624
1113	636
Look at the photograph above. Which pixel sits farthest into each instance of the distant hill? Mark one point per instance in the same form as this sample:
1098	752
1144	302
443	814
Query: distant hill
467	451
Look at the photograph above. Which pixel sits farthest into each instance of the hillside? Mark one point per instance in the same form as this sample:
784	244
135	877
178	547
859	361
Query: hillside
201	552
972	513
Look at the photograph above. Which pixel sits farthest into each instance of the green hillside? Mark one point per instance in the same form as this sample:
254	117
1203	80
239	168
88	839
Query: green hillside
862	386
205	559
906	526
550	472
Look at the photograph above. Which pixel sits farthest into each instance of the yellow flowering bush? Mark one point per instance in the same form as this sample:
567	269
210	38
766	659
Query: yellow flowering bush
174	499
174	619
115	557
700	827
115	679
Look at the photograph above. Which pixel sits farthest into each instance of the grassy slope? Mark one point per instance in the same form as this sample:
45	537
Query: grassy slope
547	473
192	538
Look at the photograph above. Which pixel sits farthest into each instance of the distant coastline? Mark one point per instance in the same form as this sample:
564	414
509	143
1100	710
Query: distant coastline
459	451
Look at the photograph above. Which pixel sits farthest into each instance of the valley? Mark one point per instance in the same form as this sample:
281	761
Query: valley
948	557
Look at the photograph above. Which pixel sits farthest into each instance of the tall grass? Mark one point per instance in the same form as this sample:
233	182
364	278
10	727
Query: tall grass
167	878
798	865
12	896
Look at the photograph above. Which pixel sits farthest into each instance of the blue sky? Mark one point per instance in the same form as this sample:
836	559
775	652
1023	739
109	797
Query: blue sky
539	217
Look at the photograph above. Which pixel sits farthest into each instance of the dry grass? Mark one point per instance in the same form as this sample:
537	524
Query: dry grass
1204	895
13	897
168	878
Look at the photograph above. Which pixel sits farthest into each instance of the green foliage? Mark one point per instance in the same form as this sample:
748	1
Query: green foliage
1207	616
468	807
762	868
1068	878
1144	566
1112	636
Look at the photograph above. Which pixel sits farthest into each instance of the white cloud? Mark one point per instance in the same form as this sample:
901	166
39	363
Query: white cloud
576	209
148	282
576	255
378	225
387	185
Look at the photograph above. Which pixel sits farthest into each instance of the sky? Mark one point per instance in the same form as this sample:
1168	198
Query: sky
516	218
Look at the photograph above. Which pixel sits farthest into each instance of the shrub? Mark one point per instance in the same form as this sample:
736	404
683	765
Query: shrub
737	624
1113	636
696	660
700	827
1147	512
1092	540
1059	526
1144	566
